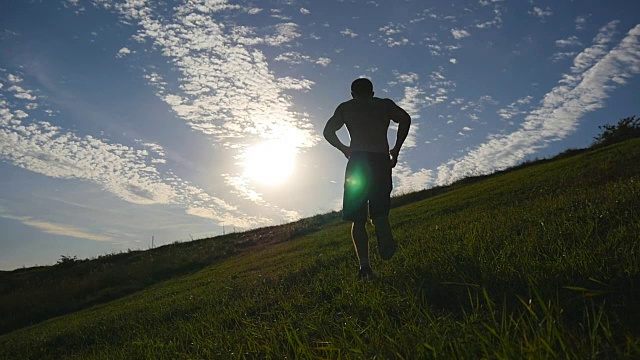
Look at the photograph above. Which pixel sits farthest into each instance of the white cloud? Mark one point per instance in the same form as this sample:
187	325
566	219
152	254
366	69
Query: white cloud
323	61
304	11
497	15
409	78
278	14
74	4
478	106
582	91
406	181
283	33
348	32
157	148
290	215
453	60
392	35
123	52
294	58
592	54
243	189
413	101
439	87
570	41
14	79
225	218
581	21
295	84
438	48
19	91
20	114
457	101
559	56
460	33
512	110
540	13
56	229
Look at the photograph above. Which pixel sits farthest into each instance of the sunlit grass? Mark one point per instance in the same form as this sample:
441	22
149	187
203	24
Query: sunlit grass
538	263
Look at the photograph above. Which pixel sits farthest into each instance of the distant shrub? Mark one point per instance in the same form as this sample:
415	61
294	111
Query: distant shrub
625	129
67	260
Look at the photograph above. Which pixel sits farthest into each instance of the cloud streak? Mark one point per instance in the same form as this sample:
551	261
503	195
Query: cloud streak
56	229
594	75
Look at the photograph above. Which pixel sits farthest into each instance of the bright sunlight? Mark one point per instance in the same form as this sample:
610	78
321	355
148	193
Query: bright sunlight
270	162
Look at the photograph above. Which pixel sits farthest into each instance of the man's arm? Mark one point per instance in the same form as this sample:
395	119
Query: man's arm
334	124
404	123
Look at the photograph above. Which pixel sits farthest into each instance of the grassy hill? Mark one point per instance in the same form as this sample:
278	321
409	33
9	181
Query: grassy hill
536	262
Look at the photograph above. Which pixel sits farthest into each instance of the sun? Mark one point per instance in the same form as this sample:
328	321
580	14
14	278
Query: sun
270	162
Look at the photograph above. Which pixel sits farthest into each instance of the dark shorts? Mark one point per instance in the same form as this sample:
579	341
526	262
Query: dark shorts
367	185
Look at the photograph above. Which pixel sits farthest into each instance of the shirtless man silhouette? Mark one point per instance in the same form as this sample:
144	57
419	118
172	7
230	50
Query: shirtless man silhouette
367	186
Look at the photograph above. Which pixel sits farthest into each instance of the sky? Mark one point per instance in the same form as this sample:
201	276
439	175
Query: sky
123	120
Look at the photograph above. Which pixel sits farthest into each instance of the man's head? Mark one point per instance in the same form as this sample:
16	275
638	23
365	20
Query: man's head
362	88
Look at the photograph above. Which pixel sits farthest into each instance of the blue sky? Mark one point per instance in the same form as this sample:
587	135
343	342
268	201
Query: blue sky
123	120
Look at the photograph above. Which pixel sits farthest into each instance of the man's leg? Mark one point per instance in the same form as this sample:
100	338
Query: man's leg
361	242
386	244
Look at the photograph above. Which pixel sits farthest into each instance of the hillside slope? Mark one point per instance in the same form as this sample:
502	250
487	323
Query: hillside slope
541	262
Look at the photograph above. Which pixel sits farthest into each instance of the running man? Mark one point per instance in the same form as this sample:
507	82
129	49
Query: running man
367	186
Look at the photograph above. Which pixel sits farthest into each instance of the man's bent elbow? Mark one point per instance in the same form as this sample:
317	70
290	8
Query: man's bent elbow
405	121
327	133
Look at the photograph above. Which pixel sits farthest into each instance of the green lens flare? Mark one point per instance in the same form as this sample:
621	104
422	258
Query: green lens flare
357	183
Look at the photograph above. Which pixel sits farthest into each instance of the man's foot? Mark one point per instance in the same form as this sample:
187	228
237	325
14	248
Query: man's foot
387	247
366	273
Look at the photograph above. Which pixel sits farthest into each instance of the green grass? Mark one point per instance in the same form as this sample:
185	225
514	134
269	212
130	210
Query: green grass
541	262
73	285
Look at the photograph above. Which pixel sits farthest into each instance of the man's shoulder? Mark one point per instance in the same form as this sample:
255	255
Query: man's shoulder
386	101
372	100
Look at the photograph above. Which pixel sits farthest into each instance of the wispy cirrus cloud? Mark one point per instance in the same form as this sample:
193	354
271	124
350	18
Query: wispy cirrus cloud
595	73
56	229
